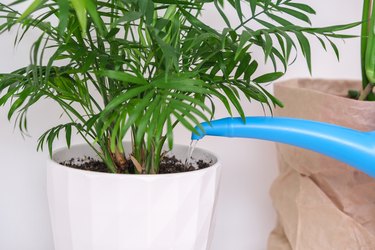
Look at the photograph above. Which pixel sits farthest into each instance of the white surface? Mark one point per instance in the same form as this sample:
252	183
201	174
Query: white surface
97	211
245	214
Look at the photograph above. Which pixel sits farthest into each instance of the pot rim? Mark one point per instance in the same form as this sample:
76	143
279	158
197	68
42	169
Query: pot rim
53	163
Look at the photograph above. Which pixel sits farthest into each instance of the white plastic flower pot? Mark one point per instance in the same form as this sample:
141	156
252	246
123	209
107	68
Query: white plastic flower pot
103	211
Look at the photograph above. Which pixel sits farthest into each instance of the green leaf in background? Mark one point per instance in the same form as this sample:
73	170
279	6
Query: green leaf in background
299	15
36	4
121	98
335	49
237	5
305	47
147	8
129	17
80	9
244	64
63	15
253	5
268	45
301	6
270	77
91	7
68	135
123	76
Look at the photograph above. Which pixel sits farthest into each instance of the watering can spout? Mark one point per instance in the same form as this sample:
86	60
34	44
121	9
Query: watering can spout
353	147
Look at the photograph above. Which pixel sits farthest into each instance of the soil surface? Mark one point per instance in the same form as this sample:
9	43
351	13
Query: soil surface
168	165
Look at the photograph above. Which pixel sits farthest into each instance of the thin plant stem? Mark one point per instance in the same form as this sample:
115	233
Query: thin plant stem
364	39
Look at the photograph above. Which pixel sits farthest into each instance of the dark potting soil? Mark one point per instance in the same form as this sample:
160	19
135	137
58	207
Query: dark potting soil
168	165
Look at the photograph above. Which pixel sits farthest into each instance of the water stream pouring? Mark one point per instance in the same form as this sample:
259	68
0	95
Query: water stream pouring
350	146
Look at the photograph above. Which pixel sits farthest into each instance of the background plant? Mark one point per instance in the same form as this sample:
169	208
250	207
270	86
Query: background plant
367	53
153	63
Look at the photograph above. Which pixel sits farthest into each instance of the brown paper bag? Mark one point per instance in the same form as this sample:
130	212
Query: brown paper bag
322	203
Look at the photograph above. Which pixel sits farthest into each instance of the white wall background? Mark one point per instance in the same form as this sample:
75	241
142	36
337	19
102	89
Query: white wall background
245	215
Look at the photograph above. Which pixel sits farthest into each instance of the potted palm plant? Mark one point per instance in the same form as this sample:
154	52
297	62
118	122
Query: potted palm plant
141	67
309	182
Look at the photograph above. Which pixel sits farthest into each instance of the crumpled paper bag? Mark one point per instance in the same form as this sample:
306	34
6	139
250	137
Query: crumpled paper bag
320	202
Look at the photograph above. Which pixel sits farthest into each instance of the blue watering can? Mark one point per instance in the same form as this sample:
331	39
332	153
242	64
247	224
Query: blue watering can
353	147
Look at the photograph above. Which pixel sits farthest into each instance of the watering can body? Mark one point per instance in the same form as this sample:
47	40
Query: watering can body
353	147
